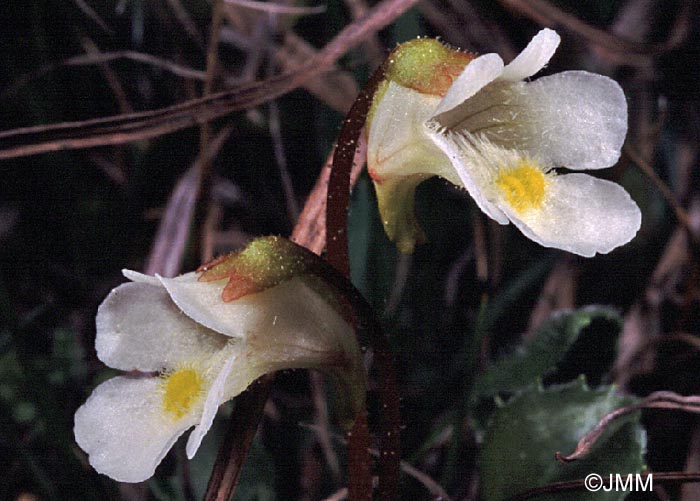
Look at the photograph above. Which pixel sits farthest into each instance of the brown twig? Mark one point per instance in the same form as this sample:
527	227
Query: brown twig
339	495
428	482
444	22
203	205
104	57
186	21
642	325
171	238
558	293
485	30
373	49
547	14
336	88
90	12
144	125
648	170
648	347
310	230
275	129
217	20
657	400
460	24
691	492
114	84
276	8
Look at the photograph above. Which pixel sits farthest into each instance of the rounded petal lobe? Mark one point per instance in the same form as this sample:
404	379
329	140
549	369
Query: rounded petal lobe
478	73
123	431
534	57
139	327
575	119
581	214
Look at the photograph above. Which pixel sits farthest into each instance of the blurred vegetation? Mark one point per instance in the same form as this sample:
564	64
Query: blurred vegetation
463	315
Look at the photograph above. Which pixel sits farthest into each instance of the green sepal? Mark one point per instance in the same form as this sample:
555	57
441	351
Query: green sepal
263	263
426	65
396	200
267	262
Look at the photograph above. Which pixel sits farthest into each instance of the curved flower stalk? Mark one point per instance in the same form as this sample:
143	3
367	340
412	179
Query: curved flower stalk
477	123
193	350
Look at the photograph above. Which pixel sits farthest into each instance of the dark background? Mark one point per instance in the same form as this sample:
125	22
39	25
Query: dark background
71	220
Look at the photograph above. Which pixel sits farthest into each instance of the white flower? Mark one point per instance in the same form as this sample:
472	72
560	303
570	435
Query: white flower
203	352
499	137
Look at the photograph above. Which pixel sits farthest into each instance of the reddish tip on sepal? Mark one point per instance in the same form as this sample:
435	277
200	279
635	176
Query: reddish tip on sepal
263	263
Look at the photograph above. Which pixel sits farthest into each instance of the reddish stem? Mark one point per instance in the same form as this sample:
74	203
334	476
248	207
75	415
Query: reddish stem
360	484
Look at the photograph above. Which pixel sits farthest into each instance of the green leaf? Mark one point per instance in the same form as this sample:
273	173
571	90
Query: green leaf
541	356
519	446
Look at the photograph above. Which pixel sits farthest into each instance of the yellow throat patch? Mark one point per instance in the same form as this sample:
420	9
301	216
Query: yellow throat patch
181	389
522	186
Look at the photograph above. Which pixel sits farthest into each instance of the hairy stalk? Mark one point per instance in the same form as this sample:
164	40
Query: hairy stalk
360	485
245	420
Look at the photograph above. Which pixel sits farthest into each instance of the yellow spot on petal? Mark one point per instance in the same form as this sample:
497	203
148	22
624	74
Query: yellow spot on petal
181	390
523	185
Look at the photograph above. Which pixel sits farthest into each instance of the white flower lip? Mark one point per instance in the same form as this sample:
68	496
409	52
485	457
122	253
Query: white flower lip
123	426
490	121
130	422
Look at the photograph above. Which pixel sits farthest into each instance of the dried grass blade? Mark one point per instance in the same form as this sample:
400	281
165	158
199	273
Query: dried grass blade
144	125
171	239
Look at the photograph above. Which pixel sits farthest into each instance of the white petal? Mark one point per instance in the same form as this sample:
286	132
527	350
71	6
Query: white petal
288	307
300	327
575	119
123	430
477	74
220	392
494	113
534	57
139	327
467	161
201	301
297	329
581	214
397	144
135	276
